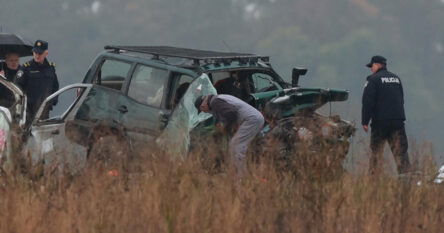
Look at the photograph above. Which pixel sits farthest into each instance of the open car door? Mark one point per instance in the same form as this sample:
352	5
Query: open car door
47	142
12	119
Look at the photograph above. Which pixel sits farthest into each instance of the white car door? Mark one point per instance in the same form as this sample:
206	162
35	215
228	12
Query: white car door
12	119
47	141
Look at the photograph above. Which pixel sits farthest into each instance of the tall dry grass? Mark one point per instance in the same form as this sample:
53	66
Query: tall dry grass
154	194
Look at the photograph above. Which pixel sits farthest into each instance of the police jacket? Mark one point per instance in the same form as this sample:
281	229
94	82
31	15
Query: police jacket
383	98
38	81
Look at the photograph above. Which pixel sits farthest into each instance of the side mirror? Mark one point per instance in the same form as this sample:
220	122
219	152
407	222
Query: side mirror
295	75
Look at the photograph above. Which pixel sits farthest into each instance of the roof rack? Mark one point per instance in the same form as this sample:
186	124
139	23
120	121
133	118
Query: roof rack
193	54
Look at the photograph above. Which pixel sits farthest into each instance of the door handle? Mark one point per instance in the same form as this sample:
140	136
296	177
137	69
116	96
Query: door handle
163	118
123	109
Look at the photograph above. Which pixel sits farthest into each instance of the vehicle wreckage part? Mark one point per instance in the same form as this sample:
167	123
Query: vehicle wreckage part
304	134
175	139
440	177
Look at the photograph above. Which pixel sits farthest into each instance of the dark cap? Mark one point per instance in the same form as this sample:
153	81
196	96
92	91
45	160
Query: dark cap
40	46
377	59
198	102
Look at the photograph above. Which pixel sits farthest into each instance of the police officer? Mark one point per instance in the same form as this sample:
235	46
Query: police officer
383	105
37	78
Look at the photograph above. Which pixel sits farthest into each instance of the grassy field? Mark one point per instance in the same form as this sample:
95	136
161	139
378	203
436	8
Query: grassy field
154	194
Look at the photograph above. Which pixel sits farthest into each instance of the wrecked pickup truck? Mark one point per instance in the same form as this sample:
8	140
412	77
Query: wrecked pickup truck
141	95
155	78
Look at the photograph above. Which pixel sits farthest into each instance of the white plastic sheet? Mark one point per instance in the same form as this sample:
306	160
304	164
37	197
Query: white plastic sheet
175	139
440	177
5	134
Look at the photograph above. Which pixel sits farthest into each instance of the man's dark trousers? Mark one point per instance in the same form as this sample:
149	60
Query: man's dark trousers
394	133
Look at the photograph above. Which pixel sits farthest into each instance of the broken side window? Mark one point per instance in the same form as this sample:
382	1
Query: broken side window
175	139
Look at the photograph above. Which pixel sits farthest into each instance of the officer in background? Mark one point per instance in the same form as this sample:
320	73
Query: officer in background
38	79
383	105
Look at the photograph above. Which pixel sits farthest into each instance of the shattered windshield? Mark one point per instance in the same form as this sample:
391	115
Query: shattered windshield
175	139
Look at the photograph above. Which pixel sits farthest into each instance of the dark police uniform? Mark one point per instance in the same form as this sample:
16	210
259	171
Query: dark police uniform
38	81
383	104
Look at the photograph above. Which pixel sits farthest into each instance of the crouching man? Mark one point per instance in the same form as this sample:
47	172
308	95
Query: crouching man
233	116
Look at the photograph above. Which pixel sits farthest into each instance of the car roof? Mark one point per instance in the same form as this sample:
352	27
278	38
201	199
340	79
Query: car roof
170	51
198	57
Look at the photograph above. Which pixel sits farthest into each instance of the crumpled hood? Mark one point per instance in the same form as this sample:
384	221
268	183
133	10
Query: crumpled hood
290	101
